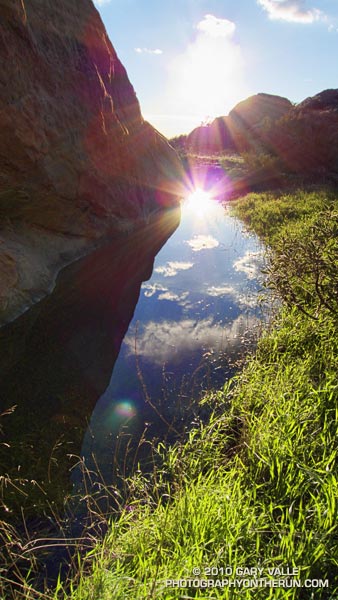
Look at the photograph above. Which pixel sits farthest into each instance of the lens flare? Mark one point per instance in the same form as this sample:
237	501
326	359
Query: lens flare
199	196
199	201
125	409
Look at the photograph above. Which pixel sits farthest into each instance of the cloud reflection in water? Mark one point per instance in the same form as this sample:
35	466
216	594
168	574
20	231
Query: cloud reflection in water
202	242
150	289
171	268
168	295
221	290
160	342
250	264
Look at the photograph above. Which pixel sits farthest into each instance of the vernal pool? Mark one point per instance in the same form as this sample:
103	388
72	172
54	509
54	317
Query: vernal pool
194	319
121	351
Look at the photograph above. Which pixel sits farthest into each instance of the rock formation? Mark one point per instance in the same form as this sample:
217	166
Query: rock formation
78	164
240	128
277	140
326	100
255	110
305	141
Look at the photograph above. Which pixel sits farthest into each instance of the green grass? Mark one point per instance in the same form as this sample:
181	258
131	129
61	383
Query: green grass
270	215
255	486
271	501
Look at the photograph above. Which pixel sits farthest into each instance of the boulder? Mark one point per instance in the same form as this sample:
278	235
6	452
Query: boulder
78	163
326	100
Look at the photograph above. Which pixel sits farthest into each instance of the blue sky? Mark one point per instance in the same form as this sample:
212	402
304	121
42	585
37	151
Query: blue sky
192	60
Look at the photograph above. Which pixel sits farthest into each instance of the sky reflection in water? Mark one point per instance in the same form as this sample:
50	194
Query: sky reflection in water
189	324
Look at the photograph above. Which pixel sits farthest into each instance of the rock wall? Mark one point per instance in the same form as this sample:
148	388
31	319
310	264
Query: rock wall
78	163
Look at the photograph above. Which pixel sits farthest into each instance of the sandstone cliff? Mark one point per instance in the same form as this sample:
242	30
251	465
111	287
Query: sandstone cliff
78	163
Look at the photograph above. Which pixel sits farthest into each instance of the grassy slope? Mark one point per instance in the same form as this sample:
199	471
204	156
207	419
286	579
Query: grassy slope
256	485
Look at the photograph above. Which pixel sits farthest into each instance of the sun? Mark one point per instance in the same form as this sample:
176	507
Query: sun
199	196
207	78
199	202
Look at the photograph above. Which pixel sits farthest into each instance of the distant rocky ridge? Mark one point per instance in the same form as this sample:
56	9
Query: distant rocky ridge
326	100
244	120
78	164
276	137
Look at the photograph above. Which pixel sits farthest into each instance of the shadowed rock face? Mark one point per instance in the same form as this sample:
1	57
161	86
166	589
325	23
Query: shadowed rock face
236	131
326	100
214	137
253	111
56	360
77	161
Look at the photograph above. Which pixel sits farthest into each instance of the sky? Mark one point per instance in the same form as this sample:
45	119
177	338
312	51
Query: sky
192	60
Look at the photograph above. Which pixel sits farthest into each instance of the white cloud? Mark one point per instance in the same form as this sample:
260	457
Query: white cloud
292	11
248	300
202	242
221	290
216	27
148	51
173	297
207	79
168	340
250	264
101	2
152	288
243	298
164	293
173	267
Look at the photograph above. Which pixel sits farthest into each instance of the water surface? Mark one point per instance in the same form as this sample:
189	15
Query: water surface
56	360
193	321
183	322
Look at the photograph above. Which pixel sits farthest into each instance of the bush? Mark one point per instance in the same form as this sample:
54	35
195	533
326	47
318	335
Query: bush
304	269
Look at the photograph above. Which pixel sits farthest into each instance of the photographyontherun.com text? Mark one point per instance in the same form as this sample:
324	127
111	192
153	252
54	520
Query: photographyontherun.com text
246	577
